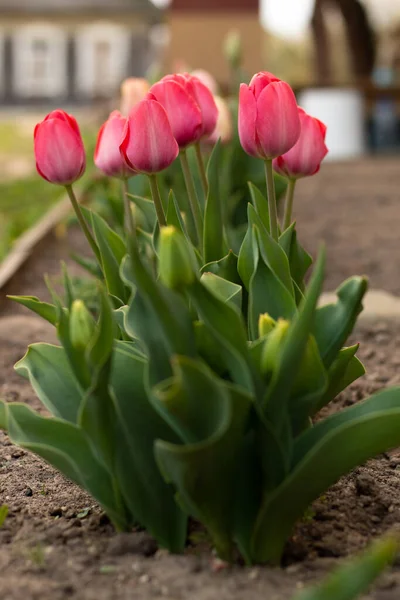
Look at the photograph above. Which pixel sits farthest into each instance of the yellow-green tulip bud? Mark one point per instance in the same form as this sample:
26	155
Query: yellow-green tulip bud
81	325
273	346
176	260
265	324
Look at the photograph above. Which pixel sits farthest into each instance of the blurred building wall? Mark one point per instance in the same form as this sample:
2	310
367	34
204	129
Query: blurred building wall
198	29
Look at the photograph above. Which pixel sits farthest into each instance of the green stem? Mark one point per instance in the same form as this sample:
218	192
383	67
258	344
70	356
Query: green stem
128	217
155	192
194	202
287	219
202	169
273	216
82	222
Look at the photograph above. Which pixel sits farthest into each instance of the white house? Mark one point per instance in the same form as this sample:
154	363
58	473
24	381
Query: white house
73	50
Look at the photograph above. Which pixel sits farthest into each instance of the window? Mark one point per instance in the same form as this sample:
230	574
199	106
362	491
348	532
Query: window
40	61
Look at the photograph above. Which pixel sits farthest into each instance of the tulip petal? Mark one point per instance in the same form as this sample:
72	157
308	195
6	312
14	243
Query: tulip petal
59	152
183	112
148	145
208	107
107	155
247	121
277	123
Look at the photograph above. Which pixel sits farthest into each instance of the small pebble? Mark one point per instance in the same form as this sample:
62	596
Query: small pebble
28	492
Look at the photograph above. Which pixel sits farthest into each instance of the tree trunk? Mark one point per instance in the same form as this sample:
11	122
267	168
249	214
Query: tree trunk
322	54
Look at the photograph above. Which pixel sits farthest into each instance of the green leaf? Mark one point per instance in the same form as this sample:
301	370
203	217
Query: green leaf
321	456
146	494
226	290
43	309
260	204
334	322
213	240
345	369
350	580
272	254
212	416
112	250
248	256
64	446
299	260
174	216
49	372
226	267
225	324
146	206
3	514
68	286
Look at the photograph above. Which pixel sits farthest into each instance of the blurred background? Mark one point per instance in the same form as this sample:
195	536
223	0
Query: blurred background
341	56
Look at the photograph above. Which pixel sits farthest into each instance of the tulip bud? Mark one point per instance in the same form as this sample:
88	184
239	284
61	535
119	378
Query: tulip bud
59	152
133	91
272	347
269	123
107	155
176	261
81	325
190	107
233	48
148	144
223	129
265	324
305	157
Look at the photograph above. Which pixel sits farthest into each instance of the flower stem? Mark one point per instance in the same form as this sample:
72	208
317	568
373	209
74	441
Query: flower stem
191	190
128	217
273	217
82	222
287	219
202	169
155	192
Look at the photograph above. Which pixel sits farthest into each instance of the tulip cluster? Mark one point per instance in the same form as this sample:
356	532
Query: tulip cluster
201	378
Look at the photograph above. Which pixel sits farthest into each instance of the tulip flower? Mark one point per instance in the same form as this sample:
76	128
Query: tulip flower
223	129
206	79
107	155
305	157
148	144
269	123
133	90
59	152
190	107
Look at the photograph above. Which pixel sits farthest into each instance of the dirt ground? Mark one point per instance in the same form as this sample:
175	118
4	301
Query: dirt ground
55	543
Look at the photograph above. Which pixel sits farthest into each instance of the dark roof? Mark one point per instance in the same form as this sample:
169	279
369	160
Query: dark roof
216	5
78	6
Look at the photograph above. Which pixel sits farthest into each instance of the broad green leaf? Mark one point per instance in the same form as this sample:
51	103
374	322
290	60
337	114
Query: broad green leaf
112	251
65	446
226	267
146	494
49	372
271	252
260	204
213	239
43	309
225	324
345	369
248	256
213	417
174	216
334	322
146	206
322	455
299	260
226	290
354	577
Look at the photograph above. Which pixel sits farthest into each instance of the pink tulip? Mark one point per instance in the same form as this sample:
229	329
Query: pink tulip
269	123
107	155
190	107
148	144
223	129
59	152
133	90
307	154
207	79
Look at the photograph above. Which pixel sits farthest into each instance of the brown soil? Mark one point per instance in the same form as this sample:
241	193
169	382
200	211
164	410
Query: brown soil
55	543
